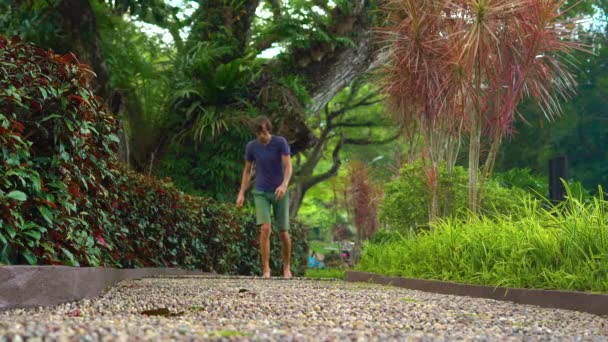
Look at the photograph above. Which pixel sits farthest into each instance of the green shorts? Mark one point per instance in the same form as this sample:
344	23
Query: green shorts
264	201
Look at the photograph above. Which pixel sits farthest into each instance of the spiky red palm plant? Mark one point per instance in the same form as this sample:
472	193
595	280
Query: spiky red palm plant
417	79
475	60
523	58
365	198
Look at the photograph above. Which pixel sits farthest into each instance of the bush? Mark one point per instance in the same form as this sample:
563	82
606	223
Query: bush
384	236
58	159
65	198
564	247
167	227
407	197
524	179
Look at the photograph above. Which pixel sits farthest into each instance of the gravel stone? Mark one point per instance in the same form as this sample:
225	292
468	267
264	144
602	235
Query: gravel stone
195	308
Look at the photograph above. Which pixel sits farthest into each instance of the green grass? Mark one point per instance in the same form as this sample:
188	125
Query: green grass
409	300
320	247
562	248
228	333
335	273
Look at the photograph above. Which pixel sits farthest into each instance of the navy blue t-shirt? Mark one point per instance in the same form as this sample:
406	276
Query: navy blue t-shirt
268	162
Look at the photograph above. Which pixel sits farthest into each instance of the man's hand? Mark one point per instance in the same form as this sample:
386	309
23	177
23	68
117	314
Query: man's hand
280	191
240	200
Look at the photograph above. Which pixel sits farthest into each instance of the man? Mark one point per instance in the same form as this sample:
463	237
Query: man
272	159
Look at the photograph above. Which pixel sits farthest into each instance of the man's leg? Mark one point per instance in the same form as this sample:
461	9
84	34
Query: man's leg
286	248
281	215
262	211
265	249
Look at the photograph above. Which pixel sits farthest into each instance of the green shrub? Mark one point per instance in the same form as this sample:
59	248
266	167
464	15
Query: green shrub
58	159
65	199
407	197
384	236
190	231
536	185
565	247
524	179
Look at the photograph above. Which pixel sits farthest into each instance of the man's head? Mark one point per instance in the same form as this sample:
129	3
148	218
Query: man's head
263	129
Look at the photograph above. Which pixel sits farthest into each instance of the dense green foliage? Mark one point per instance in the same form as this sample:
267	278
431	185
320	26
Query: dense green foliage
65	199
168	227
212	169
406	198
564	247
58	158
184	101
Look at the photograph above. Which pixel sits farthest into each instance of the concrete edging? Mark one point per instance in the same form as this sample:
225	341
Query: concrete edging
33	286
569	300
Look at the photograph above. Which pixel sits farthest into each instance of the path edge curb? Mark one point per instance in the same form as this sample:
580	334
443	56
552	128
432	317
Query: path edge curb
569	300
35	286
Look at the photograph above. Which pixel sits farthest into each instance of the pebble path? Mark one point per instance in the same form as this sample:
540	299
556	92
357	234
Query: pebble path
247	308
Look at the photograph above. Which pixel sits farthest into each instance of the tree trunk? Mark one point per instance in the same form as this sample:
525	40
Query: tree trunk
83	40
296	197
339	70
434	204
475	141
474	149
488	168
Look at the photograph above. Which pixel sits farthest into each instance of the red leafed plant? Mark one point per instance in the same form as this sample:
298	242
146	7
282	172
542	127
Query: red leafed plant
467	64
364	197
65	198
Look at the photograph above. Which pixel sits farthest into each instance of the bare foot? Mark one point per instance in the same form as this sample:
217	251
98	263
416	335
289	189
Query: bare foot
266	274
286	274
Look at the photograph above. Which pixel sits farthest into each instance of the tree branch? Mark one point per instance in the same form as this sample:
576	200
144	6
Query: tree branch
341	67
332	171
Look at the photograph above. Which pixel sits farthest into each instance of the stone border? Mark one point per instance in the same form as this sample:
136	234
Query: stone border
578	301
33	286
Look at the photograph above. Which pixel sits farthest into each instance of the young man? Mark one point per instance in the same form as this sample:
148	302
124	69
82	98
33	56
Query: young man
272	159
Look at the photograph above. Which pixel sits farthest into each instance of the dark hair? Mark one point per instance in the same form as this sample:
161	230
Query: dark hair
262	122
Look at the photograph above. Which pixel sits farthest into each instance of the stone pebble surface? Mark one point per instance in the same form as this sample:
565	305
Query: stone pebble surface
204	308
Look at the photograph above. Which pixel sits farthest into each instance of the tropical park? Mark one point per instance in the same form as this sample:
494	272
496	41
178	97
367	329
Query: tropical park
304	170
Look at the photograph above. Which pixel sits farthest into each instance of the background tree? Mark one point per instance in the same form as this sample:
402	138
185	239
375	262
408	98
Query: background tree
354	117
365	197
190	98
580	133
475	61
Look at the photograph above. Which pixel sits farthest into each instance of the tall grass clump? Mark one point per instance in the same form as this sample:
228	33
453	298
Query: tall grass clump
547	247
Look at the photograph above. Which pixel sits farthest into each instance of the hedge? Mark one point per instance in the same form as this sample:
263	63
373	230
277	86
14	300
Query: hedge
66	199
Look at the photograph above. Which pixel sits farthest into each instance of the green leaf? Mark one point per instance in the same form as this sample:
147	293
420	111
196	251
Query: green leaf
71	259
47	247
46	213
30	257
17	195
43	92
29	225
36	182
35	234
52	116
11	232
113	137
12	161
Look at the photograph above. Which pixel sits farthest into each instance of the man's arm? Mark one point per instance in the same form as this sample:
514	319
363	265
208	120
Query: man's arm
244	184
282	189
